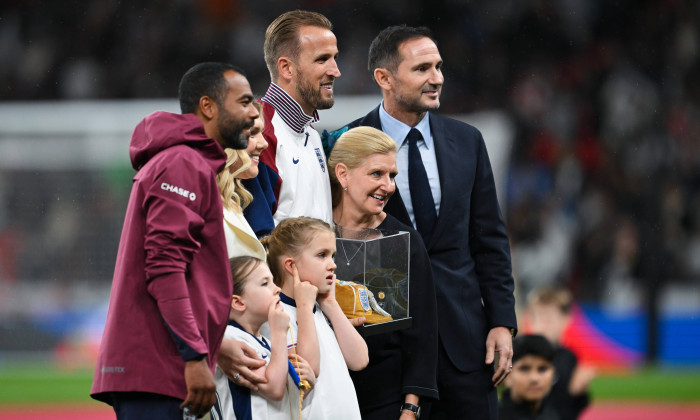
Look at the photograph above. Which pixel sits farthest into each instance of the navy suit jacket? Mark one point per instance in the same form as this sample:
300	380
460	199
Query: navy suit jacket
469	250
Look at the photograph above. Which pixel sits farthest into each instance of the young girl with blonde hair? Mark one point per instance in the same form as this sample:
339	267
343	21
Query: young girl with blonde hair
256	301
301	253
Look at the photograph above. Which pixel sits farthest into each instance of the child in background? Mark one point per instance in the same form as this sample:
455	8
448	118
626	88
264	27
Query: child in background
529	382
256	301
301	253
548	313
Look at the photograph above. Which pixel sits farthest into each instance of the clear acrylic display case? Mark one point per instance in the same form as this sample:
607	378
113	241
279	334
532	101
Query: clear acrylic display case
378	260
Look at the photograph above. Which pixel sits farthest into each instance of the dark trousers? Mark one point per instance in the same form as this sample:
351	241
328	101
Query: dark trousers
387	411
464	395
145	406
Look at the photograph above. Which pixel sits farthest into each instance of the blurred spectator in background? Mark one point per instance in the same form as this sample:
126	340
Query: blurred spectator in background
548	313
529	382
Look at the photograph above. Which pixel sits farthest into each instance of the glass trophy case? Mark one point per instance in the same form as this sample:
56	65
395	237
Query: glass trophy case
373	277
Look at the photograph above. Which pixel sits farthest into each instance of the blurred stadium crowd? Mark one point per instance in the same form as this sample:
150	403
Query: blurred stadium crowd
602	191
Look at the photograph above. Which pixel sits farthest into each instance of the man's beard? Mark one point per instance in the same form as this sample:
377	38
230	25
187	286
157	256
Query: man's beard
415	105
311	95
232	131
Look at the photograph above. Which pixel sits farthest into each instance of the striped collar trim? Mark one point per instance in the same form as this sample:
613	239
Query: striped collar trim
289	110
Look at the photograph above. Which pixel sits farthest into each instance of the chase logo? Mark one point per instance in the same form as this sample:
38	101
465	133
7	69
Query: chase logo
180	191
320	159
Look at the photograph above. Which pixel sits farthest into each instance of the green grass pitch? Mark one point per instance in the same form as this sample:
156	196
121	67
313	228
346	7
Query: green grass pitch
45	384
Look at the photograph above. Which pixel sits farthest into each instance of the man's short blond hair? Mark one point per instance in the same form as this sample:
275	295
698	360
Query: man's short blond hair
282	36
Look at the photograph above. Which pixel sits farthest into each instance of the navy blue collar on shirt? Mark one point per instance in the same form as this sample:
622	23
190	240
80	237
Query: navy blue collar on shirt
263	342
289	301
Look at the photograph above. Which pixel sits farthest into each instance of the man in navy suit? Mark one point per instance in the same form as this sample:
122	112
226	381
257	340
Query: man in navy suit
460	221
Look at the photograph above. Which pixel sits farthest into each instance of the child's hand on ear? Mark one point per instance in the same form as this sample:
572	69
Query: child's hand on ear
277	318
304	292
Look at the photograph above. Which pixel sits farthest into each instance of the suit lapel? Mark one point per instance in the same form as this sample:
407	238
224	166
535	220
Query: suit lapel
396	208
444	152
395	205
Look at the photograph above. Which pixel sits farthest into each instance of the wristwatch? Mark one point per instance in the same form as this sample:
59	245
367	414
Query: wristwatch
411	407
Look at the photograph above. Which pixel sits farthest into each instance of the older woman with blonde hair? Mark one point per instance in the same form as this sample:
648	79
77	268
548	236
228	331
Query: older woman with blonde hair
403	364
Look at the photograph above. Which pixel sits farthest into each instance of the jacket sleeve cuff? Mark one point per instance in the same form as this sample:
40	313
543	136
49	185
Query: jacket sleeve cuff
172	296
186	352
422	392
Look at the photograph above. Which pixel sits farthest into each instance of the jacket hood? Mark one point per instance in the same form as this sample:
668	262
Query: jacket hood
161	130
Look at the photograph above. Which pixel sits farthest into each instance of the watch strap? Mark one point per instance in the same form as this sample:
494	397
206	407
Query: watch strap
411	407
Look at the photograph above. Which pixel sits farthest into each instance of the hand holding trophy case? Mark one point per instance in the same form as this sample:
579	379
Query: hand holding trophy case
373	277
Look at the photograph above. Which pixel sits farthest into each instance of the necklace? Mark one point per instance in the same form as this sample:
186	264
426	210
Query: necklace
342	245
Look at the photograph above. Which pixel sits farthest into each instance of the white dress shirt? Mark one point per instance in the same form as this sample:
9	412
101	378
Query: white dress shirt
398	131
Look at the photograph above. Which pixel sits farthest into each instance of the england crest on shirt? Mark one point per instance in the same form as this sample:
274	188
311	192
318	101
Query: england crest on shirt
320	159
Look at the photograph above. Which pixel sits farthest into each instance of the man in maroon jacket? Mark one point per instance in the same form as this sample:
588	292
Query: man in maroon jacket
172	286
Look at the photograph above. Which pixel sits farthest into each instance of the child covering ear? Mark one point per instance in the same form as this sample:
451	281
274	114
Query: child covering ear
301	255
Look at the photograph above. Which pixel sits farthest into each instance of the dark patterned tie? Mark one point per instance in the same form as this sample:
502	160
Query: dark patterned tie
421	197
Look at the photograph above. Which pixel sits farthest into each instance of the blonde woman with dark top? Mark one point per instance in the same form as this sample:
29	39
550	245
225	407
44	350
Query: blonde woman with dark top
401	375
